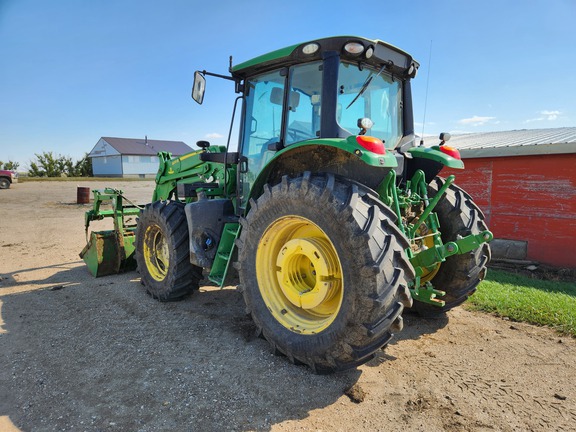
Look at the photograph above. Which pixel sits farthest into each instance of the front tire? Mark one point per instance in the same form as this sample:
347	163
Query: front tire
459	275
162	252
323	271
4	183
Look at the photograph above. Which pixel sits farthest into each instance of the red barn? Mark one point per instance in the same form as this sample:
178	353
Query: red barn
525	182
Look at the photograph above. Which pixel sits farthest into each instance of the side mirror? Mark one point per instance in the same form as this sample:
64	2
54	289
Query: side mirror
198	87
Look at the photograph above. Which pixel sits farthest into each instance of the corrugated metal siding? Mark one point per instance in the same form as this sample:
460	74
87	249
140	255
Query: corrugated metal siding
107	166
529	198
139	165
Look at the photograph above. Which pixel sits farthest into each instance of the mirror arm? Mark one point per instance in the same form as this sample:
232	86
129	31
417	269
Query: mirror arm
219	76
239	88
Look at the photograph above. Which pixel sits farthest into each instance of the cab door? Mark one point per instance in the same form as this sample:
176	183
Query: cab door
263	105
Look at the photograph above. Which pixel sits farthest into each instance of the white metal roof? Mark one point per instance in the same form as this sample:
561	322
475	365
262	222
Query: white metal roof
516	143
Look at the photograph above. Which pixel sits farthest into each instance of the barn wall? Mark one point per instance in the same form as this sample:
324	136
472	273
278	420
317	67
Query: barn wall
107	166
529	198
102	148
139	165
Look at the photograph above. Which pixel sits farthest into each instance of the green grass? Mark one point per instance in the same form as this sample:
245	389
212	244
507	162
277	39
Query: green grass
520	298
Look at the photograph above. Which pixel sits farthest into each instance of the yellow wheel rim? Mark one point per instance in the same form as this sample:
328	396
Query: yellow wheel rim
428	273
156	252
299	275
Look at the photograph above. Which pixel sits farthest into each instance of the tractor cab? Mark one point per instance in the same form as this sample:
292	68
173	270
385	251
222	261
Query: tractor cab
330	88
320	93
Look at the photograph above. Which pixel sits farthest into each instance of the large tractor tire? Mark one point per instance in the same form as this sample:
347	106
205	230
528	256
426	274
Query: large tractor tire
459	275
323	271
162	252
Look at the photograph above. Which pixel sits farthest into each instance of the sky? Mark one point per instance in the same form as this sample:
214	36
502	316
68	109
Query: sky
72	71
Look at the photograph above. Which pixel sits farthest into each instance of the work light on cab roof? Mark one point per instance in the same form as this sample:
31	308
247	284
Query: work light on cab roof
310	48
354	48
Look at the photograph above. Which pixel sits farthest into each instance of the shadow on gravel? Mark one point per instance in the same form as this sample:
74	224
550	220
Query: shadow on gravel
101	355
63	274
415	327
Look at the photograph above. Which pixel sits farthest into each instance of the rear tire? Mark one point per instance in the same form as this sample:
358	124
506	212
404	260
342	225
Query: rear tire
162	252
459	275
323	271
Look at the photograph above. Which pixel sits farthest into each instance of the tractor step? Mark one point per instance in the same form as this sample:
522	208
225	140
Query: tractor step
224	254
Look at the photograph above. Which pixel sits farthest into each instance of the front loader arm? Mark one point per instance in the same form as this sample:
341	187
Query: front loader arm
191	169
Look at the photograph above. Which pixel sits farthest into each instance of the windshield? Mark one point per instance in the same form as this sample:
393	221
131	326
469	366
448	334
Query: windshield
370	93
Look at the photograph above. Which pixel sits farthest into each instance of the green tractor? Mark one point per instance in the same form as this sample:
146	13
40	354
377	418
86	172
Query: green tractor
335	219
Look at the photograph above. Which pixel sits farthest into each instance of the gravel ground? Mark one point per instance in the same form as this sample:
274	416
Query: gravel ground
85	354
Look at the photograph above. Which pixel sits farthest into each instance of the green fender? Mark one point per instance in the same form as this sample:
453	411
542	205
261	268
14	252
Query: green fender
347	147
434	153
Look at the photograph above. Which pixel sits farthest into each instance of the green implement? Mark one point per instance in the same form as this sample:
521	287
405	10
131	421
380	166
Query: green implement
110	251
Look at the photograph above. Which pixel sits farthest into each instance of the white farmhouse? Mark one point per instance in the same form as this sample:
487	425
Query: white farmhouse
128	157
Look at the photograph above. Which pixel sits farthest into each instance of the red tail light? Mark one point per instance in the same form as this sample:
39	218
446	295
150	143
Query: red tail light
450	151
373	144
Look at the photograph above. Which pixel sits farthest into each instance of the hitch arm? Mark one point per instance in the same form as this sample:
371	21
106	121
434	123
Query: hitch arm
436	254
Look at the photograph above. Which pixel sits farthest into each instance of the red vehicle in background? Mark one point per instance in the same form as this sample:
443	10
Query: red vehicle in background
7	178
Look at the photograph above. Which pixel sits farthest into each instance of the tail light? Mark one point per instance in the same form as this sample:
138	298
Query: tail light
450	151
373	144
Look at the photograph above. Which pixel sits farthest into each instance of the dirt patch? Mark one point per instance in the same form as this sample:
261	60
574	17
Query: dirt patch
536	270
80	353
356	393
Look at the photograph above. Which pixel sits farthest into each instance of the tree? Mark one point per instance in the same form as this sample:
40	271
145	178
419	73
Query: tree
83	167
10	165
48	165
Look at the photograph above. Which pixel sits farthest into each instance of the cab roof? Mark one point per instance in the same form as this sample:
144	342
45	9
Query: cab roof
375	52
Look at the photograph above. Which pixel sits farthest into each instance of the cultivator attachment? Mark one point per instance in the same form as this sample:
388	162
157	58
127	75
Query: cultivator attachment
110	251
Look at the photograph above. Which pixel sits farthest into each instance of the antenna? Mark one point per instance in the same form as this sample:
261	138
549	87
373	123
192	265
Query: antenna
426	94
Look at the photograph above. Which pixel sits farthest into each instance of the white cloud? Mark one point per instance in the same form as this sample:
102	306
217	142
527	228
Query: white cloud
545	116
214	135
476	120
550	115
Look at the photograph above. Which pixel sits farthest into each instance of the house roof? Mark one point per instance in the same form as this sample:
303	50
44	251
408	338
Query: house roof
136	146
516	143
